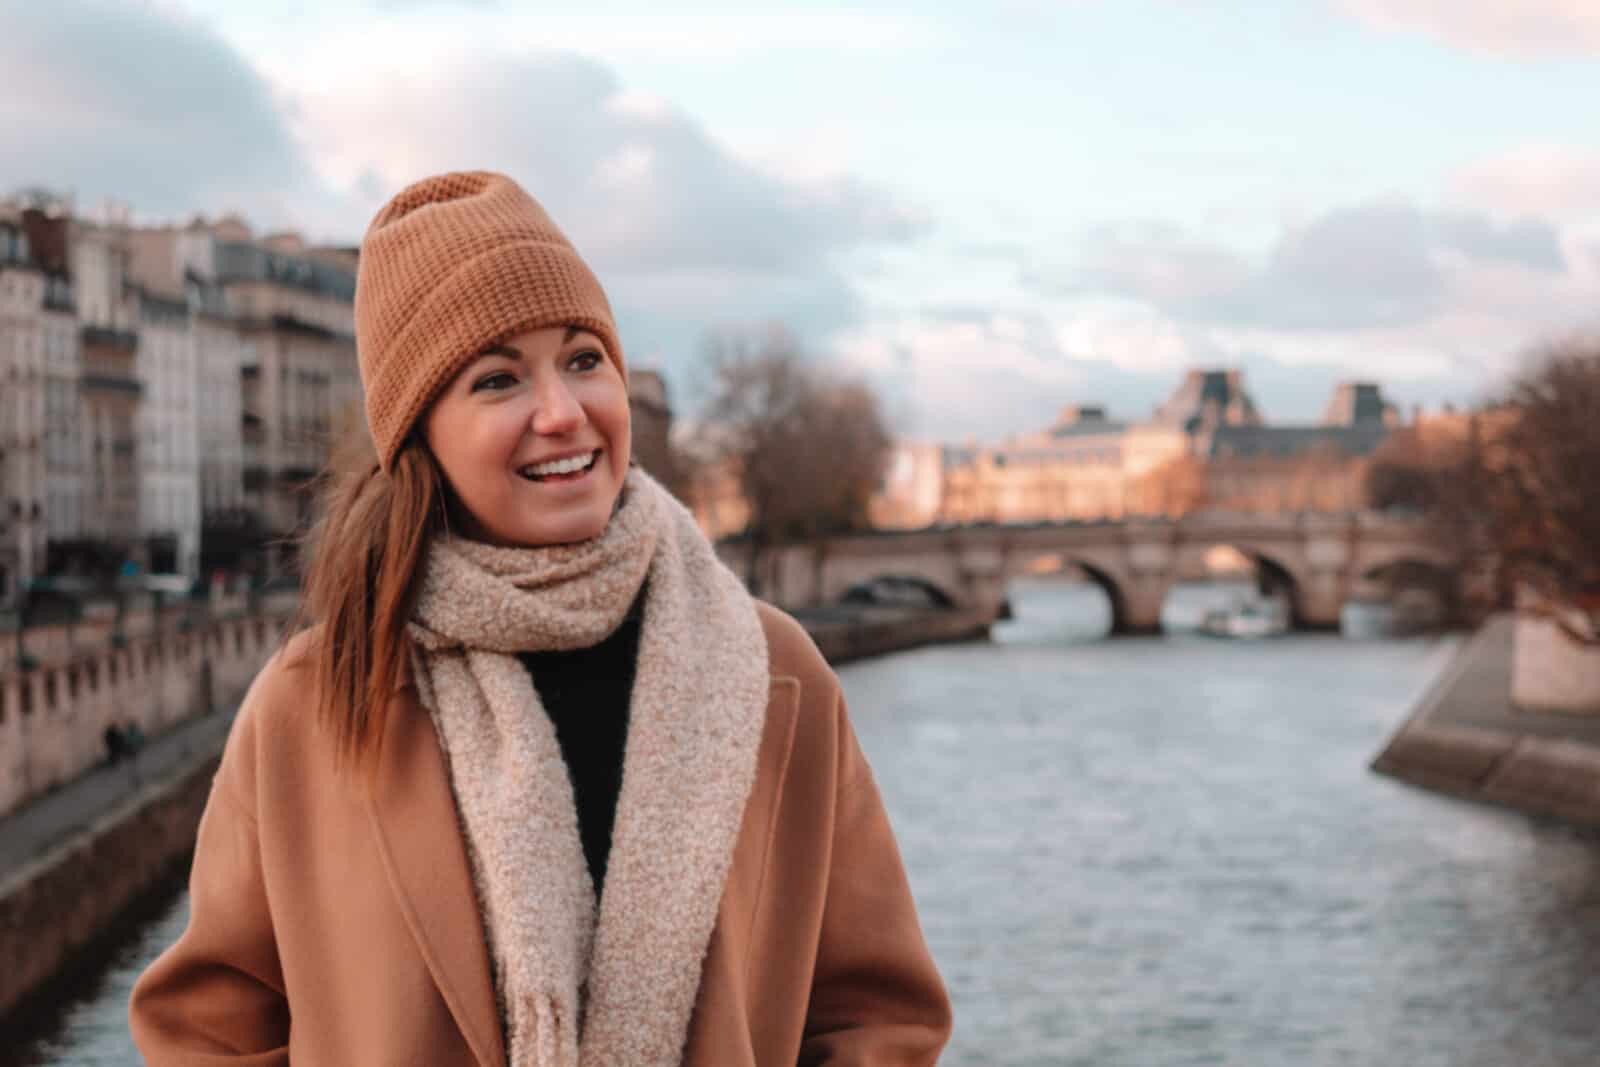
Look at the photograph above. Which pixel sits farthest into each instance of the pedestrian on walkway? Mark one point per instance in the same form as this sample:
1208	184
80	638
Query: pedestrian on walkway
538	783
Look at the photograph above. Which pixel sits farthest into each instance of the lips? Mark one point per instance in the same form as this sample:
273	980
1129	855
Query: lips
561	469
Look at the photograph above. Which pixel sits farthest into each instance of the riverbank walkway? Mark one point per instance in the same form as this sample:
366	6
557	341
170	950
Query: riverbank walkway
52	819
1467	738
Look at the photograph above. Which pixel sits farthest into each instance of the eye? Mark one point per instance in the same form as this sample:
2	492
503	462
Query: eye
493	382
586	360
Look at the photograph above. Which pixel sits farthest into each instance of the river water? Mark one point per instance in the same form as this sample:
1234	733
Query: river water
1168	851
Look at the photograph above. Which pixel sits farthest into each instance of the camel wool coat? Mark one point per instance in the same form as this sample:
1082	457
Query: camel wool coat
333	921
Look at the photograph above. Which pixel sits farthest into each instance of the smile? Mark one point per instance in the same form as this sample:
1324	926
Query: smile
561	470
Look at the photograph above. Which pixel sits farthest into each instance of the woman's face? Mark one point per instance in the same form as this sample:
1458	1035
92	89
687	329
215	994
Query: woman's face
533	437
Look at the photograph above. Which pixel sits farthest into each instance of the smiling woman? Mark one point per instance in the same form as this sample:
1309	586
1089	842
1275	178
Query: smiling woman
536	782
533	439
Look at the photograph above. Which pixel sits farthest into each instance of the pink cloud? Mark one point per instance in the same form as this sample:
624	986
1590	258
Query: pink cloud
1553	181
1522	28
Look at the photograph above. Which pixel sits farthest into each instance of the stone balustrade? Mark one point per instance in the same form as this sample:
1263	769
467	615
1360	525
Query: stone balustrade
53	718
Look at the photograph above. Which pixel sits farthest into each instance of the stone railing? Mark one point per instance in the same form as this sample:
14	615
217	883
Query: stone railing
54	717
59	642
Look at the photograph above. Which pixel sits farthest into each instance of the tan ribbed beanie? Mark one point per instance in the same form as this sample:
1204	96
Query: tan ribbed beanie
453	264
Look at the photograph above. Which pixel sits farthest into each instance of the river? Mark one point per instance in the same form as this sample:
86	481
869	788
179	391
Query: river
1169	851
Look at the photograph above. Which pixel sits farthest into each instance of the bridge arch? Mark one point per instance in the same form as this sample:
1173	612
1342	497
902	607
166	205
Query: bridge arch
1102	569
1274	572
1095	578
1122	621
899	588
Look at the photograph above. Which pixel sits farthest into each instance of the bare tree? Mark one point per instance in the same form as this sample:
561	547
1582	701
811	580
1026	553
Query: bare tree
808	447
1516	486
1543	502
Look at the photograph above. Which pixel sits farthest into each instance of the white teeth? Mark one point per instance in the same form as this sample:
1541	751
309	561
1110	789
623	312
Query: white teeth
561	466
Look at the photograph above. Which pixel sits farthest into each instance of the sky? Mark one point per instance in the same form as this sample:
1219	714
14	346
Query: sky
990	210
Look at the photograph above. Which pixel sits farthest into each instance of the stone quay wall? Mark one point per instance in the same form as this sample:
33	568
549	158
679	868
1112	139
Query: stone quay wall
53	718
58	642
864	632
58	905
1467	737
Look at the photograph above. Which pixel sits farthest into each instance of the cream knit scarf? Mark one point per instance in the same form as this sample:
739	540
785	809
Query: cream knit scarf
581	983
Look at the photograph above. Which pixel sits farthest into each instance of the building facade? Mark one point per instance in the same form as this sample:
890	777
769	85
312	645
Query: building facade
169	461
301	387
221	353
22	411
111	391
274	330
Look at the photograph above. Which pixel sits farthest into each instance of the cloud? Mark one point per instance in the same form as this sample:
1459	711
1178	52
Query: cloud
1529	242
1435	304
946	373
444	5
1554	181
1128	335
1516	28
415	31
144	105
949	372
1377	264
1152	260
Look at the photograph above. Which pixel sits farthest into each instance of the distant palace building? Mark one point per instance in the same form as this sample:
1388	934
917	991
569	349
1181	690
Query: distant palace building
1207	446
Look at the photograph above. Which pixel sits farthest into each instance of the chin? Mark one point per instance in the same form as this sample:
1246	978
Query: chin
577	529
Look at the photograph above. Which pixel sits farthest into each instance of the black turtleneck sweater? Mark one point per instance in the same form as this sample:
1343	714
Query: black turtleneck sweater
586	692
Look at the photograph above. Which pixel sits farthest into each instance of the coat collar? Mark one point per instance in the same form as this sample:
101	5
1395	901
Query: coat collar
414	819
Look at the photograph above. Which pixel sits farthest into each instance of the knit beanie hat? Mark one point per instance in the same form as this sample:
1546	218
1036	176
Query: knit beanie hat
452	265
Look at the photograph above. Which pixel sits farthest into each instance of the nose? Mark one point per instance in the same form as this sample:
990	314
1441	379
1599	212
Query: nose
555	410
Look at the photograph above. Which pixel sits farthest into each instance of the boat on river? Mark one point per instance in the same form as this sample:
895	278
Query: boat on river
1249	617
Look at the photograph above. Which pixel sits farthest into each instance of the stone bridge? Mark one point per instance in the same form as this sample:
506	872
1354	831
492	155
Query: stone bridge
1317	560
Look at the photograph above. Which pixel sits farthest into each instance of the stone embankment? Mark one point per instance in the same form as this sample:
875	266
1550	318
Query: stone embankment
1466	738
850	632
54	717
84	841
75	860
98	851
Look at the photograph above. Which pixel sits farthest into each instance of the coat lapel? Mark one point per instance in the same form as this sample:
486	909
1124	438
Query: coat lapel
414	817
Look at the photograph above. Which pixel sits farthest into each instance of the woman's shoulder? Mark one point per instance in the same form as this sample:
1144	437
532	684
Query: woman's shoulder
791	653
276	716
285	679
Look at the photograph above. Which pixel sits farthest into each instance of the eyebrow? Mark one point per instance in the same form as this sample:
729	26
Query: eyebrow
512	353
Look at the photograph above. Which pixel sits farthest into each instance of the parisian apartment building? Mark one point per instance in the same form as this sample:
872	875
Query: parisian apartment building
167	394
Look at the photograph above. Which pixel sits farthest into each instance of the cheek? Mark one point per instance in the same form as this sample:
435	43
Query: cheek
475	452
613	409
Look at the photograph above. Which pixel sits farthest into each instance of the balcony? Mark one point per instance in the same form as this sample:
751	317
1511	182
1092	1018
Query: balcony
103	381
108	337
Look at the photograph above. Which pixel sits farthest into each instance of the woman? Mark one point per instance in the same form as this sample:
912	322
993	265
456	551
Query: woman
543	785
